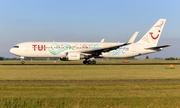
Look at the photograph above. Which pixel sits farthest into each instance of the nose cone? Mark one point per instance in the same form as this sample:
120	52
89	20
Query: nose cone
13	51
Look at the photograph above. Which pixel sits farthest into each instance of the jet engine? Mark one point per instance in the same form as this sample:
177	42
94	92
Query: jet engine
72	56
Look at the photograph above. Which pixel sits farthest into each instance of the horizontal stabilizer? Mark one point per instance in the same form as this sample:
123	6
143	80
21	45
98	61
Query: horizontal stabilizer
158	47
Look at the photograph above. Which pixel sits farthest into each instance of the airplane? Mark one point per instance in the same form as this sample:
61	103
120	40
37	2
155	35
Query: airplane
68	51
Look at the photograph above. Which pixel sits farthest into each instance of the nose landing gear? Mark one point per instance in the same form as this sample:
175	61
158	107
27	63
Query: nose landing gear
22	60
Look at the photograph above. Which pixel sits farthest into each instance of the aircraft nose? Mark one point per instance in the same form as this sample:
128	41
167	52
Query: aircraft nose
12	50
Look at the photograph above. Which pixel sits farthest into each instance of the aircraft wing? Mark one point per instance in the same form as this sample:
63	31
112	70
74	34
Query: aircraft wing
158	47
98	51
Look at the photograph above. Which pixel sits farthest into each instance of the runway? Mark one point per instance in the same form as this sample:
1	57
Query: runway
90	64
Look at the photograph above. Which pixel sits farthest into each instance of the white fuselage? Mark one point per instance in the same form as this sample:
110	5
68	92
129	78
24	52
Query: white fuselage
59	49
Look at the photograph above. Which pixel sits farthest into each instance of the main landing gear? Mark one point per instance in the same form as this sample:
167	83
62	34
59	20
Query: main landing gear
89	61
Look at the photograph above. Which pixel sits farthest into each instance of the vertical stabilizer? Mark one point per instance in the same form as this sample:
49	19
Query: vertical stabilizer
153	35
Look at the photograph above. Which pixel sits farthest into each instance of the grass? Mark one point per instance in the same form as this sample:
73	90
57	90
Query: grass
91	95
89	86
89	72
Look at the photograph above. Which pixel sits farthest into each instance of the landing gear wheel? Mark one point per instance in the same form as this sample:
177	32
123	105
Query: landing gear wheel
85	62
89	62
22	62
94	62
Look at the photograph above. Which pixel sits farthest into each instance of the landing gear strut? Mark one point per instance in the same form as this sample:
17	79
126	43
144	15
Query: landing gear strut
89	61
22	60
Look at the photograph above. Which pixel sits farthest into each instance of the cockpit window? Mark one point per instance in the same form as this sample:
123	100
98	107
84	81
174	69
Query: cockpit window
16	47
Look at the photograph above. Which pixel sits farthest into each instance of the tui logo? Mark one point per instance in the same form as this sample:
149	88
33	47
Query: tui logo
154	37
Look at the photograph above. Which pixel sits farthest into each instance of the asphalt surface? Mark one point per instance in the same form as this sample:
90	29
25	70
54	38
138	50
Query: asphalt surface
100	64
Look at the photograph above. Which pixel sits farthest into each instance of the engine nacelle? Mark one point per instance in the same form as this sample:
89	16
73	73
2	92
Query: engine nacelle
71	56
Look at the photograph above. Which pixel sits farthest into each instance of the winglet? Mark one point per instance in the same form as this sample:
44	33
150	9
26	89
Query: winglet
102	40
131	40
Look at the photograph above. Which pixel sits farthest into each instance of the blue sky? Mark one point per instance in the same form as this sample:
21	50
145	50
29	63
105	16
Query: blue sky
87	20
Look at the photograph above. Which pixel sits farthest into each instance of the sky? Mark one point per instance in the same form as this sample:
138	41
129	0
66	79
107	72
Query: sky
87	21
